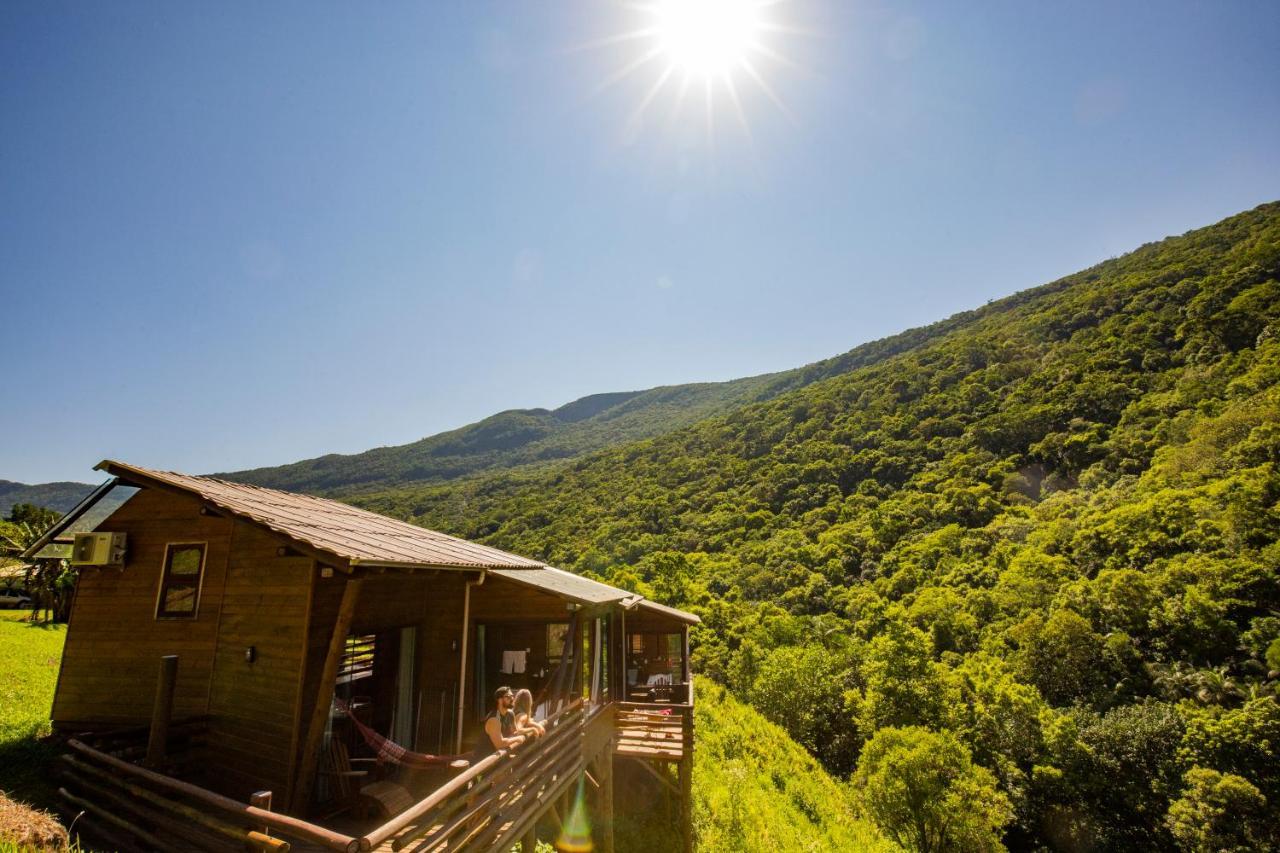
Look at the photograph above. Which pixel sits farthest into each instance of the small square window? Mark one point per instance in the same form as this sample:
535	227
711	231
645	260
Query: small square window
180	581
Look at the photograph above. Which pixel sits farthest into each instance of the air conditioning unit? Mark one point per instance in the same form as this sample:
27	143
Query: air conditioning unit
98	549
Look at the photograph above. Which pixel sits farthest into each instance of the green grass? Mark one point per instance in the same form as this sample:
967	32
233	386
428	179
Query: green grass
29	656
754	788
757	789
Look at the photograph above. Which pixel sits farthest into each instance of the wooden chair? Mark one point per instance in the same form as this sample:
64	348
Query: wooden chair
356	789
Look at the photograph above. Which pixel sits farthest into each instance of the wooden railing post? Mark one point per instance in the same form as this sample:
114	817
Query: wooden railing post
162	711
261	800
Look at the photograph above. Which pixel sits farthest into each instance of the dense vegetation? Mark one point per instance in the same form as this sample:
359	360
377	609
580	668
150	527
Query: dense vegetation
1017	578
538	437
754	788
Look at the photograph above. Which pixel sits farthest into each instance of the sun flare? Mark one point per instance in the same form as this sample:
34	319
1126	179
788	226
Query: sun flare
704	54
707	38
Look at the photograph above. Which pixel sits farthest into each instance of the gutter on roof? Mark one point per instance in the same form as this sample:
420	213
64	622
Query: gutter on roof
67	520
357	563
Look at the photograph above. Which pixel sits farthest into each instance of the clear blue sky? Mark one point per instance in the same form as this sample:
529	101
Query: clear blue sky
244	234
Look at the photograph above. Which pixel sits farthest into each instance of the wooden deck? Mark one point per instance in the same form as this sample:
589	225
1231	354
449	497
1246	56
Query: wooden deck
488	807
652	731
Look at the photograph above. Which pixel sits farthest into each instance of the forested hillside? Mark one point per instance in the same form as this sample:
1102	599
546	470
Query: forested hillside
58	496
1018	580
533	437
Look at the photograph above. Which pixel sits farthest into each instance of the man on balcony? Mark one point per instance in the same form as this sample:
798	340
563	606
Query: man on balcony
500	726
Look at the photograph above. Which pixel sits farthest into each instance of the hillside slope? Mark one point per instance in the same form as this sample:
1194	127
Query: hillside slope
754	789
533	437
1048	530
60	496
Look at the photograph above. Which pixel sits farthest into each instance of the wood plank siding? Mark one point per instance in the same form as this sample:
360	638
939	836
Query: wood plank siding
249	596
115	641
255	706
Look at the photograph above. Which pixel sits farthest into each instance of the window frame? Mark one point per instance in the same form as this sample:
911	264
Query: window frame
166	580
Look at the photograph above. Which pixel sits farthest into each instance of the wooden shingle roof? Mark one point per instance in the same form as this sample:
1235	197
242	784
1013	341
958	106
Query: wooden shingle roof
355	535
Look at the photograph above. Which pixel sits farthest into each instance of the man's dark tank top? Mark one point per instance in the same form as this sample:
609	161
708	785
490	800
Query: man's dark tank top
484	745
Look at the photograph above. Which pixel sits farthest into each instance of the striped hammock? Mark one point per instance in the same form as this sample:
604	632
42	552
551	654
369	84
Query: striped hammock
390	752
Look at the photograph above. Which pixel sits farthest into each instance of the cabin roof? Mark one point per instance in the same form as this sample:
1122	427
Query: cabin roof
358	536
349	533
678	615
567	585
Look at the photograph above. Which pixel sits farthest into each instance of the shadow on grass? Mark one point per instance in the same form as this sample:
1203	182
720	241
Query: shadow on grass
27	768
43	624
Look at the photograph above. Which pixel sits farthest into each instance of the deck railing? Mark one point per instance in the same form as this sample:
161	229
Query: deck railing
491	804
138	808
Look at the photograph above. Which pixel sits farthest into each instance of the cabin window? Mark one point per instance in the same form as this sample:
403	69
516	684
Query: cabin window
357	659
557	635
180	582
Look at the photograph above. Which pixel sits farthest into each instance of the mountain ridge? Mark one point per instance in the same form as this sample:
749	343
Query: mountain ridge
60	496
528	438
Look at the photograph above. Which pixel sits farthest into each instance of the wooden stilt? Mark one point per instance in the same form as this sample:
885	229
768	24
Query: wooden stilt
686	803
162	711
530	842
606	800
324	697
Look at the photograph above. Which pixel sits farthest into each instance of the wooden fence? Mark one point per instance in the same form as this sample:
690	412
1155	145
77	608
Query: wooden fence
136	808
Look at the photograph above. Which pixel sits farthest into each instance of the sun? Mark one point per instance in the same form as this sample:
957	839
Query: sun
707	38
704	53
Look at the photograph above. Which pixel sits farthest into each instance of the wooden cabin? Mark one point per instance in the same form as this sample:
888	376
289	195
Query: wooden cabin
218	662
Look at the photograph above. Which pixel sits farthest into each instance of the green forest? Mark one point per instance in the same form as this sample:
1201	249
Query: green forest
1014	577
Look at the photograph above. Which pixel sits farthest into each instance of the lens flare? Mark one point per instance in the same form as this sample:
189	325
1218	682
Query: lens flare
575	835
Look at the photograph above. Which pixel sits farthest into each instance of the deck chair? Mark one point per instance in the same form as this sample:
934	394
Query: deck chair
356	790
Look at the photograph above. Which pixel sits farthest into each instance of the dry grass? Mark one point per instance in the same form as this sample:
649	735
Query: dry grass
29	829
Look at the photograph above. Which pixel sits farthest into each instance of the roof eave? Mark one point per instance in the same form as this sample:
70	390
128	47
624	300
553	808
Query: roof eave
128	473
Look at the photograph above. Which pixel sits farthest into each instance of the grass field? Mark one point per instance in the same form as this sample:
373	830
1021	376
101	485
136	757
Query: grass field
29	656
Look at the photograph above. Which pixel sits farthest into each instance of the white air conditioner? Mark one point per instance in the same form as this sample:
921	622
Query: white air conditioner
98	549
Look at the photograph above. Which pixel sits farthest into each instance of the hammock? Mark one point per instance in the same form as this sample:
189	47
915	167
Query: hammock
390	752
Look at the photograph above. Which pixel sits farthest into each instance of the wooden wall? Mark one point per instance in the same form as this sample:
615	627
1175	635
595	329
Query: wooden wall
249	596
114	641
255	706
